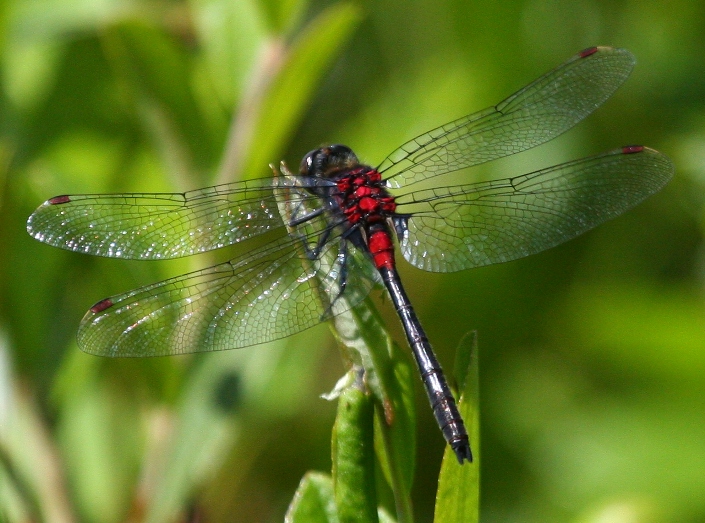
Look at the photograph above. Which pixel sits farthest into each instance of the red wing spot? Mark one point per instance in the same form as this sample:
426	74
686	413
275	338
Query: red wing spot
587	52
102	305
631	149
56	200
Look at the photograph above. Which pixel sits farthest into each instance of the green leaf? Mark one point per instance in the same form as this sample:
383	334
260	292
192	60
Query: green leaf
395	434
230	36
225	392
389	375
12	479
293	75
313	501
353	454
385	517
101	444
458	497
204	432
156	73
281	15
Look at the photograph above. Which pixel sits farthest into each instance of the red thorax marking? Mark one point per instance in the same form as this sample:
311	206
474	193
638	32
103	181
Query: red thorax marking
363	198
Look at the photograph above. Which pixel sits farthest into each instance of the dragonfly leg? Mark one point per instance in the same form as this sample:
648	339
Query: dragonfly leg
313	254
342	276
298	220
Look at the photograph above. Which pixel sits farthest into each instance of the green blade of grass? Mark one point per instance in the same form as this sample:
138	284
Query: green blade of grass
313	501
389	375
458	497
154	70
285	91
353	454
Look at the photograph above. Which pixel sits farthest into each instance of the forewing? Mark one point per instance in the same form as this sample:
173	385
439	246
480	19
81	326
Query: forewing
455	228
160	226
536	114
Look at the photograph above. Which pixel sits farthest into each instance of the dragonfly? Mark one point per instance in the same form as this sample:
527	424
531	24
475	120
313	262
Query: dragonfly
337	225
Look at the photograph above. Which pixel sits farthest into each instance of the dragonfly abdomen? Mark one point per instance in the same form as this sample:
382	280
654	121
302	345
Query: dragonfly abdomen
439	394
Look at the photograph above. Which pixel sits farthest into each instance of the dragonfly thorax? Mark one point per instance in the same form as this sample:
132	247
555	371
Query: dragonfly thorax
363	197
361	194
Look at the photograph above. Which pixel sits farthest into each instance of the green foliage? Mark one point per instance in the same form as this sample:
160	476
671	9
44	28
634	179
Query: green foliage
353	455
314	501
458	498
592	353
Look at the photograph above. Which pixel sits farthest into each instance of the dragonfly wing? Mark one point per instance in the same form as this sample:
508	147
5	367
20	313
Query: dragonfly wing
268	294
455	228
161	226
534	115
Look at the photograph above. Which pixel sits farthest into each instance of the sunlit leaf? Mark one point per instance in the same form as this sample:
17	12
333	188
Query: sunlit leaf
353	454
458	498
313	501
302	67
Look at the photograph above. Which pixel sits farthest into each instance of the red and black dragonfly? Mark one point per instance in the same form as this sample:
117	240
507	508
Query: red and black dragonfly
338	219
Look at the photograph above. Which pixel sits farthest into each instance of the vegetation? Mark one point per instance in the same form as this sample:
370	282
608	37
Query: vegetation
592	354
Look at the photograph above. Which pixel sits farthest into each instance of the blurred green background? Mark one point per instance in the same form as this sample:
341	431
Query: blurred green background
592	354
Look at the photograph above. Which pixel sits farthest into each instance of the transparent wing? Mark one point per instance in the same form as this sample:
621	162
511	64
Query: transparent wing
455	228
162	226
534	115
271	293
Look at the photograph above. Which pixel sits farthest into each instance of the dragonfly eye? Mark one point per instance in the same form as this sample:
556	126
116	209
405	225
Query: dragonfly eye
307	163
327	161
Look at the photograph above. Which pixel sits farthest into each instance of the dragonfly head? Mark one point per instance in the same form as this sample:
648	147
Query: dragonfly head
327	161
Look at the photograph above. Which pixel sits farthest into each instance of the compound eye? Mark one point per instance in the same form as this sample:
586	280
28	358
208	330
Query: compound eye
307	163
